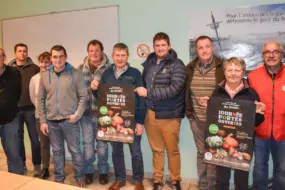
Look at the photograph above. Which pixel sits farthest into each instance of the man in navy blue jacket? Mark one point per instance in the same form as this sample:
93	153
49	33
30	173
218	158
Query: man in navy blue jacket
164	76
122	73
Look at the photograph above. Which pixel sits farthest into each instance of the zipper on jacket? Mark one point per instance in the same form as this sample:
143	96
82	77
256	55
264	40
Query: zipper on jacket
57	97
272	113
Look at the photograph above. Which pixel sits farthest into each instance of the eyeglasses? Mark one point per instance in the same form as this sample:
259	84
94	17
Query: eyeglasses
275	52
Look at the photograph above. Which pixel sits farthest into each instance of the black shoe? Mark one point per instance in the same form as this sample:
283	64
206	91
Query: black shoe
157	186
176	186
88	179
103	179
45	174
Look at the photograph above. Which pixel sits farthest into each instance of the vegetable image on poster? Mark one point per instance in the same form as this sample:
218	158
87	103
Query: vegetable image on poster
116	104
229	133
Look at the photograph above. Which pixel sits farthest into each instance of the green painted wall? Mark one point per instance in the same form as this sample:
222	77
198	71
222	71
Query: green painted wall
139	21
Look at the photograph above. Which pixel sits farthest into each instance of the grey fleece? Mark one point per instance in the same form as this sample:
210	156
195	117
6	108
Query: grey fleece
63	95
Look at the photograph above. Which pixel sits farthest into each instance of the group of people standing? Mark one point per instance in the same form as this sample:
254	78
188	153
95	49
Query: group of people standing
56	100
209	76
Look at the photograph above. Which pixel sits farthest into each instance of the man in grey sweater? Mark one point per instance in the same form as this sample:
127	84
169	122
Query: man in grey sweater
61	103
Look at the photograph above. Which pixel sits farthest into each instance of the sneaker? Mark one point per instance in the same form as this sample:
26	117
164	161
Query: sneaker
89	178
176	186
81	183
45	174
103	179
158	186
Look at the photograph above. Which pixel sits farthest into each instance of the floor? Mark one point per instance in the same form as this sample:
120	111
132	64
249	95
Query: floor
70	180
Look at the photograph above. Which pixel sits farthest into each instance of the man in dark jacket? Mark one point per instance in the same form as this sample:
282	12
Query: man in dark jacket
164	77
122	73
27	110
10	90
204	73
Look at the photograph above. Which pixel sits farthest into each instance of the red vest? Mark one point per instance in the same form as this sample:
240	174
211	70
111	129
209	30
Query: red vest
272	94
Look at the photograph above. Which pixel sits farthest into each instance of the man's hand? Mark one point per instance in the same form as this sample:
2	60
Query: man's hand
203	101
139	129
94	85
260	107
44	129
71	118
141	91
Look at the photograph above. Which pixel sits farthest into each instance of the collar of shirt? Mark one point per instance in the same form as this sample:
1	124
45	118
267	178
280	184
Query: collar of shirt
119	73
231	92
2	70
201	65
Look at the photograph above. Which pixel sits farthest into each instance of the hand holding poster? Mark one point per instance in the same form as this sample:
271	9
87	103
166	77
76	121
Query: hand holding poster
229	133
116	104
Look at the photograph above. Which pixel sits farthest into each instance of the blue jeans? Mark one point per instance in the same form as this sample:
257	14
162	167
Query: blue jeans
88	130
262	149
137	160
27	116
70	132
102	154
102	151
10	141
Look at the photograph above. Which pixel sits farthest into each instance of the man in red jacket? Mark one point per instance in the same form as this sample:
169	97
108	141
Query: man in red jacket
269	82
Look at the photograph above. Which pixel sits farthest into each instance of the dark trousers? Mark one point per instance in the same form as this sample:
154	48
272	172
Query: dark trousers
45	146
262	150
27	116
224	175
206	172
119	161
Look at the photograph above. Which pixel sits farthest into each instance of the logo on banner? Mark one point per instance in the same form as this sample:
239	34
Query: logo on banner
143	50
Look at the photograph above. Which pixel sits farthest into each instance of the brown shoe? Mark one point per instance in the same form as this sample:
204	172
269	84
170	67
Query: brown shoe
139	186
117	185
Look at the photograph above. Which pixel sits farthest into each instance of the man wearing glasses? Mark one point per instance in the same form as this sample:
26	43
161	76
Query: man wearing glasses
10	91
269	82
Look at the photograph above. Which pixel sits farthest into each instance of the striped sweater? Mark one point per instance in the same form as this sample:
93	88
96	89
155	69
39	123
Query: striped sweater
202	85
199	83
